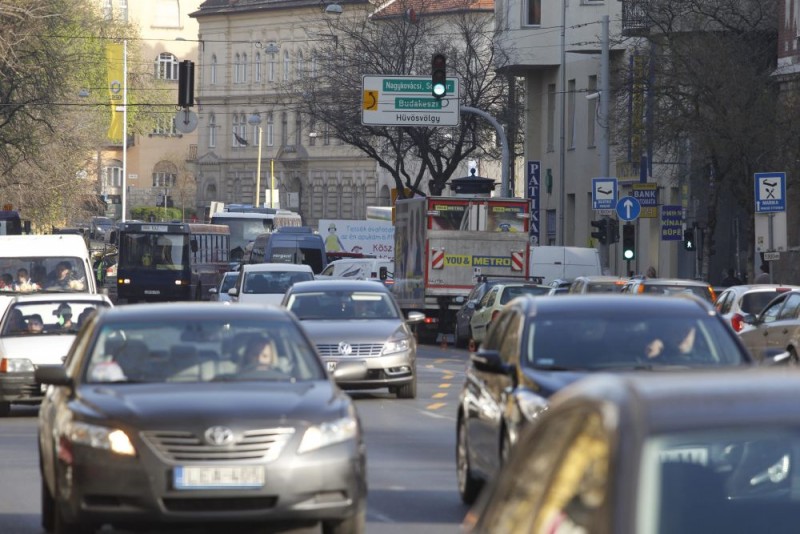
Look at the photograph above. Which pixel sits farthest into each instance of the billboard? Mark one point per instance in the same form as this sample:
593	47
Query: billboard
372	237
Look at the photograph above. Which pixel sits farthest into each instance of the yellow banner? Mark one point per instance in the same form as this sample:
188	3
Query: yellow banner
114	60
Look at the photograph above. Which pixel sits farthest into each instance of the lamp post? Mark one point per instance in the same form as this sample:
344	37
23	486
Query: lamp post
255	120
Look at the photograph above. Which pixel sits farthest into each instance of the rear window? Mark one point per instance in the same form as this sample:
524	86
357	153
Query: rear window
604	287
701	291
514	292
755	301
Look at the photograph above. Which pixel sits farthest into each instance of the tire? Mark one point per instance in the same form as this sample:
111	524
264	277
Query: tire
5	409
460	342
408	391
468	486
505	446
356	524
48	508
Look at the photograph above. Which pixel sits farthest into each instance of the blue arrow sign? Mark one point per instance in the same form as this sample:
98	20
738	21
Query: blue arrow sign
628	208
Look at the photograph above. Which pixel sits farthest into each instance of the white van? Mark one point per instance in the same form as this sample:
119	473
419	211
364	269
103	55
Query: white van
265	283
57	262
359	269
567	263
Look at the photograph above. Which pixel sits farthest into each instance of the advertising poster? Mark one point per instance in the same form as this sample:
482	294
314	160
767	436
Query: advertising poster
373	238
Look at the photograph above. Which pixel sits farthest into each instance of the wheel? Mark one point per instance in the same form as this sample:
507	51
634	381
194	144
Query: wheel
5	409
48	508
356	524
408	391
62	526
505	446
460	342
468	486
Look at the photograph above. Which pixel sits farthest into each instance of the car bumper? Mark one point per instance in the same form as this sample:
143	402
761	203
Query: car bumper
327	484
20	388
382	371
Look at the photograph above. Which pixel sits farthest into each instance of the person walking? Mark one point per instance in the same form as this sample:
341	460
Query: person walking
763	275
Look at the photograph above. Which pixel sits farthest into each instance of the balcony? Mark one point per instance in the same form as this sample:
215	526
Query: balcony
634	18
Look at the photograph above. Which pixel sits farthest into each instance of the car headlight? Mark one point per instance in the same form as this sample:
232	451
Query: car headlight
16	365
397	343
328	433
531	405
100	437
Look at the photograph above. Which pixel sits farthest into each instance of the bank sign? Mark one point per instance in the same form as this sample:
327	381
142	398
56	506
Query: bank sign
407	101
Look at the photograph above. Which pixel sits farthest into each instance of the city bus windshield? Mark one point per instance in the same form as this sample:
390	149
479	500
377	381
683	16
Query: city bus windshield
154	251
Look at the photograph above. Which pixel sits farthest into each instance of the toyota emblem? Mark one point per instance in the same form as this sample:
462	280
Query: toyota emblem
345	349
219	436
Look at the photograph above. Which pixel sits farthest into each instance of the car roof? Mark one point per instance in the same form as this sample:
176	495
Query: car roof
182	311
264	267
339	285
671	282
56	297
605	303
600	278
664	402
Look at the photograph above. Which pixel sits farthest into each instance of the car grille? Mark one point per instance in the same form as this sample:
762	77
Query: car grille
357	350
179	446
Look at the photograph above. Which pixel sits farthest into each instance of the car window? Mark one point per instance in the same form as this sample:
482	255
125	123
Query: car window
199	351
790	309
754	301
509	348
328	271
36	318
497	329
513	292
488	298
724	301
228	282
770	313
342	305
603	287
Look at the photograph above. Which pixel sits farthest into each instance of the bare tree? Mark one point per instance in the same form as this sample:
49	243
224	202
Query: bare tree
712	98
402	42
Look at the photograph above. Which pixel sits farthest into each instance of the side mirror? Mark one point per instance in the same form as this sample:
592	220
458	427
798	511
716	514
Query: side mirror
212	291
350	371
233	292
750	318
488	361
471	304
52	374
383	273
415	317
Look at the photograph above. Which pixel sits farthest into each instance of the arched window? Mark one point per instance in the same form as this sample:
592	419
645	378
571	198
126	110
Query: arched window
211	192
237	71
270	129
112	173
284	129
298	128
213	70
300	66
244	68
166	66
165	174
287	65
212	131
272	61
257	65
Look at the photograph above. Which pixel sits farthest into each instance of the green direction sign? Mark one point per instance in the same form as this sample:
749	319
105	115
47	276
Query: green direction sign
407	101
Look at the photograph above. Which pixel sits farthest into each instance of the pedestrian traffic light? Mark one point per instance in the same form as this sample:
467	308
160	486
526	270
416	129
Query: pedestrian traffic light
688	239
629	242
601	234
613	231
439	75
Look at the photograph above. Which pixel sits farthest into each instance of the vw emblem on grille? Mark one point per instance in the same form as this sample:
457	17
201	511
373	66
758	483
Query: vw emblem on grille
345	349
219	435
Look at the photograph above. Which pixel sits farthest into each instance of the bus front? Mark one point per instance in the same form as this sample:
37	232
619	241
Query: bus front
153	263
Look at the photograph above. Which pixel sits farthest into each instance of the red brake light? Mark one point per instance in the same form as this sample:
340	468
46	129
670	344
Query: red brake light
737	322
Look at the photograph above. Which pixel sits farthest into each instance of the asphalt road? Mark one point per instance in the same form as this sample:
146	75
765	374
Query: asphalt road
410	455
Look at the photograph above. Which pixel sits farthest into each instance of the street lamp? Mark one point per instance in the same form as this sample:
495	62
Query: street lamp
255	120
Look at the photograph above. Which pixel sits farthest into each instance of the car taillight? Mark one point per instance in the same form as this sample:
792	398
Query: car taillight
737	322
713	295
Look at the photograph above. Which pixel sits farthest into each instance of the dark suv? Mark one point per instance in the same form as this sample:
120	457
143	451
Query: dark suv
463	332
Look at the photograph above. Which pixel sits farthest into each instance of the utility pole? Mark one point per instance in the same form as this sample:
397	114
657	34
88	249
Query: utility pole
605	152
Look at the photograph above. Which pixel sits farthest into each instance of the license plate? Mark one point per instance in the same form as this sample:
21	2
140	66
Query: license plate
207	477
690	455
331	366
152	292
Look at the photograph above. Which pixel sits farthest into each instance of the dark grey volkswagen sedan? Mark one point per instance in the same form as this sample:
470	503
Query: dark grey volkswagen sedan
201	413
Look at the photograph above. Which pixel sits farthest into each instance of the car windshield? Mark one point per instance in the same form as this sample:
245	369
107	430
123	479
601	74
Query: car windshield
273	282
60	274
623	340
53	317
604	287
228	281
201	351
733	481
342	305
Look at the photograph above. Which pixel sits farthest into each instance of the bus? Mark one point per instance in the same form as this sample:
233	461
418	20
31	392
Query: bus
10	222
246	223
170	261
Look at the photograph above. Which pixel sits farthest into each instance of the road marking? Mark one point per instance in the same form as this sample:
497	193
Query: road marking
436	405
445	386
439	395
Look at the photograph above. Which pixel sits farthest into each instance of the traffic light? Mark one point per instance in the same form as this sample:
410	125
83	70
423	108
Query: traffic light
186	84
439	75
629	242
688	239
613	231
601	234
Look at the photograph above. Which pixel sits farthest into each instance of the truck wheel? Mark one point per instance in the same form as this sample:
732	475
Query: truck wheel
5	409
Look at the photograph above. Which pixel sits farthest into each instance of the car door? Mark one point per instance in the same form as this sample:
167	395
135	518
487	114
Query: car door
464	313
783	329
485	409
483	314
755	339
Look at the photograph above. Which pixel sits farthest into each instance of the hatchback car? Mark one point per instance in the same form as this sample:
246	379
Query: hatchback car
493	301
775	329
670	286
655	454
596	284
198	413
359	321
220	293
266	283
37	330
536	346
734	302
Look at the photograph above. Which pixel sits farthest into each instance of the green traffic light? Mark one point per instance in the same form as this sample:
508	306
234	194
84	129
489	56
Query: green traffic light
627	254
439	89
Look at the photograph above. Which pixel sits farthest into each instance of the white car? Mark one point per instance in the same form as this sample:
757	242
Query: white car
37	330
220	293
737	301
266	283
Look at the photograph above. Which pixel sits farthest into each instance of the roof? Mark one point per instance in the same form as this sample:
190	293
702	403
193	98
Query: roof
663	402
671	282
612	303
270	267
340	285
227	7
417	8
168	312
